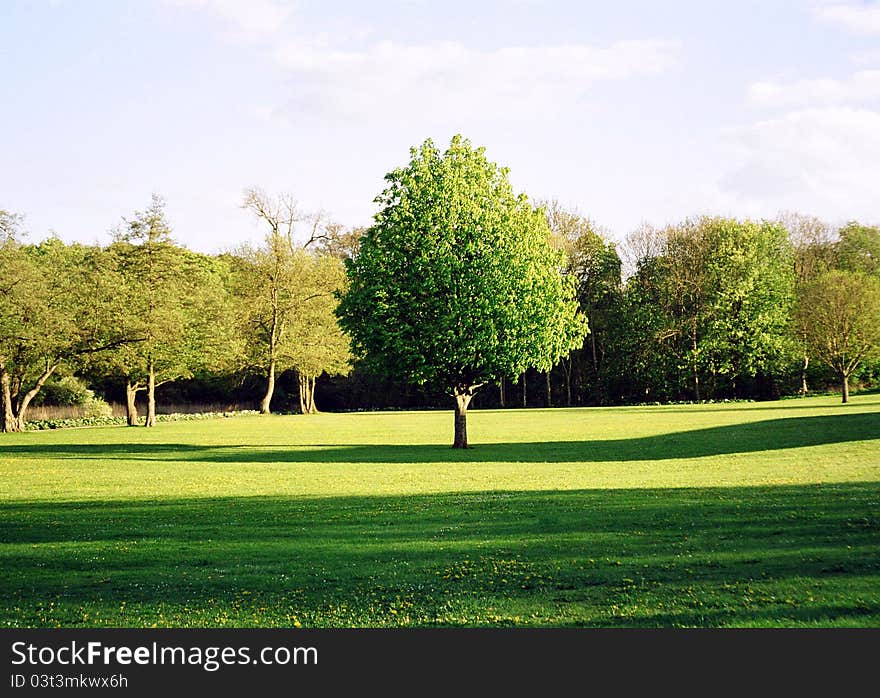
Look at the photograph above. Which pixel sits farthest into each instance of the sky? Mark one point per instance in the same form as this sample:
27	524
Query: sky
628	111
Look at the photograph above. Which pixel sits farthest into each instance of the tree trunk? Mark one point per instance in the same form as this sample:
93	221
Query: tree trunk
131	413
270	388
501	391
567	366
13	411
804	366
307	395
462	400
844	384
525	401
595	357
151	396
549	389
696	371
8	422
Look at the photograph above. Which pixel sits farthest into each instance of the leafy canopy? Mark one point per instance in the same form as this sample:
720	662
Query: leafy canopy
456	283
840	314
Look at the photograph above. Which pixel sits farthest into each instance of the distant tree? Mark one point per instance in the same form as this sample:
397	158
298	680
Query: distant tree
813	244
274	283
858	248
456	284
10	225
594	263
316	343
176	308
841	312
708	301
684	290
644	359
339	241
751	284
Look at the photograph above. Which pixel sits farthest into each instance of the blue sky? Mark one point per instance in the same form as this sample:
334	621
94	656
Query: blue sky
628	111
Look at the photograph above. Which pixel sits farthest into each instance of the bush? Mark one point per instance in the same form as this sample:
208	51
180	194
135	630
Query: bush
95	407
109	420
64	391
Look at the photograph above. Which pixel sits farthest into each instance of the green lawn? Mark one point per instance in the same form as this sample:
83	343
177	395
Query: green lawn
737	514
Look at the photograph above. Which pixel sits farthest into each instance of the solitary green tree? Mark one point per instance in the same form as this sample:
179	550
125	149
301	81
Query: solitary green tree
456	284
841	313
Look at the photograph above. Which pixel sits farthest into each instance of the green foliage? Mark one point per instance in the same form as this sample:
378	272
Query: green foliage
105	419
72	391
595	265
286	301
315	342
840	312
644	362
751	285
286	289
456	283
64	390
176	304
711	298
858	249
54	306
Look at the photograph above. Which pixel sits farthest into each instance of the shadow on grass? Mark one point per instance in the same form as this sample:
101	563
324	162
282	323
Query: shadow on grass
715	556
767	435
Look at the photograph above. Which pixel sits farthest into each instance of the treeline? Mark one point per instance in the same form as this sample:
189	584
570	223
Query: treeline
143	312
708	309
717	308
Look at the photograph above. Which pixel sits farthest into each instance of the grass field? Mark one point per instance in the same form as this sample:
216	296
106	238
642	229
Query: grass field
742	514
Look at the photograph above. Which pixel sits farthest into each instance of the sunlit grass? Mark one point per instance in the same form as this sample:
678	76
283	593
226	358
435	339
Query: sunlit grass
738	514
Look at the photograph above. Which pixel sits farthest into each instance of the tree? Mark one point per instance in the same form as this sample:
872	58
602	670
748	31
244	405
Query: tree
340	242
708	302
57	304
176	307
751	282
644	356
272	281
10	225
814	254
841	312
595	265
316	344
456	284
858	248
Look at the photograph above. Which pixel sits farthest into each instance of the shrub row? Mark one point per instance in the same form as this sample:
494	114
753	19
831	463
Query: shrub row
118	421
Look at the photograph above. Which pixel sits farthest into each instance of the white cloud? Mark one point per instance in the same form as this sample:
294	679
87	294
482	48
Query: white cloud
856	17
869	57
336	74
248	20
447	79
861	87
822	160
